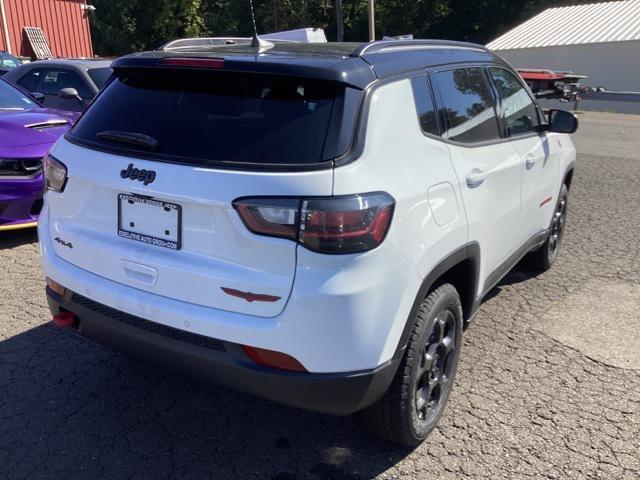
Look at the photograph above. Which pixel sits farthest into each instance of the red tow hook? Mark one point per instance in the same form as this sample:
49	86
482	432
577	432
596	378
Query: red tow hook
64	319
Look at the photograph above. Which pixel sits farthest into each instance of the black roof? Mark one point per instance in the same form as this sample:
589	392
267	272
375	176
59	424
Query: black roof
357	64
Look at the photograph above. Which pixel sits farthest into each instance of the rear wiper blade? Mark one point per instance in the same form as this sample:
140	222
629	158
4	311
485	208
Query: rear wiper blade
130	138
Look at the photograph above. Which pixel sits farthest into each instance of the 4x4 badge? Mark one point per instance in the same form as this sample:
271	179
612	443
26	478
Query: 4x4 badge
145	176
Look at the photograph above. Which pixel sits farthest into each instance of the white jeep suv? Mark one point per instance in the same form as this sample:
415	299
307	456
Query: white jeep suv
312	223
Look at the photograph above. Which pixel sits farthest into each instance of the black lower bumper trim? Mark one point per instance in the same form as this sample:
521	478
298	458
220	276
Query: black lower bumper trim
221	362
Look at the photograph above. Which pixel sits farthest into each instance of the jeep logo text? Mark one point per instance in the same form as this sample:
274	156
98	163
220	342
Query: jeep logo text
145	176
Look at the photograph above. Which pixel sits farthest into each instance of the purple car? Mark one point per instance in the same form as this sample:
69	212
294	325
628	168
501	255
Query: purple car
27	131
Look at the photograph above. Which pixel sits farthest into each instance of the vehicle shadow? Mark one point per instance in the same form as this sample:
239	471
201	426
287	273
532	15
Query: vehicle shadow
518	274
16	238
73	409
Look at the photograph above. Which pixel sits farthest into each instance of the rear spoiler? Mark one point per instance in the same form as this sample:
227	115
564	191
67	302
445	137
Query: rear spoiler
352	71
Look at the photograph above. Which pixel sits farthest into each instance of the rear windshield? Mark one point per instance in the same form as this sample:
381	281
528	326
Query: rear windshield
202	117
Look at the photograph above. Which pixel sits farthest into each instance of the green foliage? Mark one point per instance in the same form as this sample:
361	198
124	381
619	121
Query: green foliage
123	26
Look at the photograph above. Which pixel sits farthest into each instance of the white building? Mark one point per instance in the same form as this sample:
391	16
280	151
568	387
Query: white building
601	40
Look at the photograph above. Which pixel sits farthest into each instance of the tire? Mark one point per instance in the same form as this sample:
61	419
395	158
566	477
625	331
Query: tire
544	257
418	394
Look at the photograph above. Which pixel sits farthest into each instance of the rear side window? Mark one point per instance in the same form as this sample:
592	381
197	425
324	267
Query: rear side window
202	117
31	79
467	105
55	79
424	105
99	76
518	108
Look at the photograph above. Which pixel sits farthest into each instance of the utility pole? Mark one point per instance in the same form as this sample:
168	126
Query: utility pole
339	22
372	23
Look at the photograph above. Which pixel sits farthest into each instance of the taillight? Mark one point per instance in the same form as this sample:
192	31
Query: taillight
344	224
275	217
55	174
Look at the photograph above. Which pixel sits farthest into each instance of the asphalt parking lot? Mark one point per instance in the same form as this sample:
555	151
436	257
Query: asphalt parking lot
548	385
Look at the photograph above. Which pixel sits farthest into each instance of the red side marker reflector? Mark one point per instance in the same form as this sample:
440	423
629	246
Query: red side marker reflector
193	62
270	358
250	297
545	201
64	319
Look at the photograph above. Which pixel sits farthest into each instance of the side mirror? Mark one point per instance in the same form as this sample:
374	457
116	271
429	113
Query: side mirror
561	121
38	97
70	93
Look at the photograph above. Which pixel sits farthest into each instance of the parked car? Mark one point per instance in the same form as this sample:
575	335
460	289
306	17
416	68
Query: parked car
8	62
27	131
66	84
314	224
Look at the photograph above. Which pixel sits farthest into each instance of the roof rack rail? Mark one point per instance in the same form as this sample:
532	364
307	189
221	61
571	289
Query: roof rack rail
389	45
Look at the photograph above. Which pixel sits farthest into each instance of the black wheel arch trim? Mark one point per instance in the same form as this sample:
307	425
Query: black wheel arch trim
470	253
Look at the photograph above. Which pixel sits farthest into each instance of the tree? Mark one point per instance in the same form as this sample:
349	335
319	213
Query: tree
123	26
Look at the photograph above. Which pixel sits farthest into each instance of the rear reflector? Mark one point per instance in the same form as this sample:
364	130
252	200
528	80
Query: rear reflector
65	319
193	62
270	358
56	287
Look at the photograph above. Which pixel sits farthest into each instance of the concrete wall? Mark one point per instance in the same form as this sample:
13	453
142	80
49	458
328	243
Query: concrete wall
614	65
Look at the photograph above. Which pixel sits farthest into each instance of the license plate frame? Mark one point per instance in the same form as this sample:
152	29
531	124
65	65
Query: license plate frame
160	207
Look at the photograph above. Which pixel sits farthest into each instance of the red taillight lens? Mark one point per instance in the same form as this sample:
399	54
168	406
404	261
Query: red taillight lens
275	217
192	62
356	223
273	359
345	224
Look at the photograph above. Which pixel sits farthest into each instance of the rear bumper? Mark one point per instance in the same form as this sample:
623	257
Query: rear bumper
20	201
221	362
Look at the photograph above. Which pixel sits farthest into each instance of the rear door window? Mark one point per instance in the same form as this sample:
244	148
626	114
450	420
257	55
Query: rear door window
519	110
467	107
203	118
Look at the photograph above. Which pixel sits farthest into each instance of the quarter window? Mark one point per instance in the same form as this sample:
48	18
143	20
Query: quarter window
467	105
424	105
518	108
31	79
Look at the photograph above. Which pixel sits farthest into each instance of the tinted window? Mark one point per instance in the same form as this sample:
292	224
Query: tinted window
467	105
31	79
99	76
518	108
12	98
8	61
424	105
55	79
201	117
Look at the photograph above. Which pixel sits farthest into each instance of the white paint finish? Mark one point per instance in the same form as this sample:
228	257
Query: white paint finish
217	249
405	168
576	24
342	312
444	204
337	319
492	207
540	171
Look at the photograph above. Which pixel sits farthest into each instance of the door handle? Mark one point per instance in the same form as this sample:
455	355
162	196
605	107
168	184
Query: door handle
475	178
529	161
